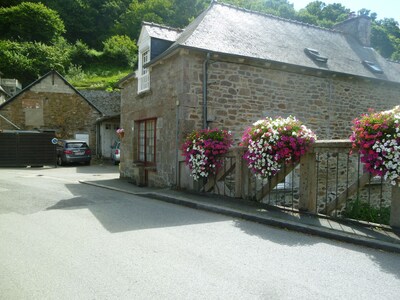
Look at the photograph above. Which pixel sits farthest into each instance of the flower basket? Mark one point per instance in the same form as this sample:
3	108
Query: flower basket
376	136
273	142
120	133
203	149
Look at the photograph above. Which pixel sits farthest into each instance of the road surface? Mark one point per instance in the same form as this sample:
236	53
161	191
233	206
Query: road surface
64	240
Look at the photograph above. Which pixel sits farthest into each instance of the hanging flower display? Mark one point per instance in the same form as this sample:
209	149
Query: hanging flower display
376	136
202	150
120	132
273	142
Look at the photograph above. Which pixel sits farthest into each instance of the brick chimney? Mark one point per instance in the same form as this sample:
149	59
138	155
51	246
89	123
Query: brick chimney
358	27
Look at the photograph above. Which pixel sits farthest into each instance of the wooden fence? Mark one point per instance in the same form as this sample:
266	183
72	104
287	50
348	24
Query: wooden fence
322	182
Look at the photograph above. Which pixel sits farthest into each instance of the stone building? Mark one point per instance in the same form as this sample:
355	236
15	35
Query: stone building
51	103
231	67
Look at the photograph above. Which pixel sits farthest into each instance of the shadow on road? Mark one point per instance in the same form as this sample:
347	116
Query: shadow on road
119	212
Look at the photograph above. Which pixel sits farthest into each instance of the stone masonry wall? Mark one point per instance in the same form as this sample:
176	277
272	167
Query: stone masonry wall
52	107
159	103
238	95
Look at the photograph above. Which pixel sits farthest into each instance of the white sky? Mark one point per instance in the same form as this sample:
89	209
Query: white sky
384	8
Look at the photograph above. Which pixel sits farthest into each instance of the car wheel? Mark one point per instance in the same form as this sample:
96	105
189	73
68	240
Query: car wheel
87	163
59	161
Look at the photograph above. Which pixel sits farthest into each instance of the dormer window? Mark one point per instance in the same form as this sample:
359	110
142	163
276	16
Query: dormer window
314	55
372	67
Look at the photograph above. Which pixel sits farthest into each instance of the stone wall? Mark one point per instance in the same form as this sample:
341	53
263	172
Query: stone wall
48	106
240	93
160	102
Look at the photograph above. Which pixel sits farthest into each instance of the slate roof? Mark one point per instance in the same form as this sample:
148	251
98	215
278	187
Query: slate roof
109	103
226	29
162	32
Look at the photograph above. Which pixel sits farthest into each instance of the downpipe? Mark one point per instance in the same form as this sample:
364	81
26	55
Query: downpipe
205	91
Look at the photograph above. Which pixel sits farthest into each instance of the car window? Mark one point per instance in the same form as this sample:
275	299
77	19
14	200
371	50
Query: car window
76	145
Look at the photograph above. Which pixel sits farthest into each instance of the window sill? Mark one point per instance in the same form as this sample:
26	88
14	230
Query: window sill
144	93
151	168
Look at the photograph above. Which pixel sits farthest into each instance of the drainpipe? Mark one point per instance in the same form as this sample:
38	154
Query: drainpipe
177	124
330	111
205	82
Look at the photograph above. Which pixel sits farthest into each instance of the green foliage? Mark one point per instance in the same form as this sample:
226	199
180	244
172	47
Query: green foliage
29	60
100	77
381	40
30	22
321	14
186	10
97	31
82	55
157	11
120	50
364	211
88	20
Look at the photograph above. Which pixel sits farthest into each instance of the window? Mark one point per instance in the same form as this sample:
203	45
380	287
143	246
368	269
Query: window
372	67
143	76
314	55
147	141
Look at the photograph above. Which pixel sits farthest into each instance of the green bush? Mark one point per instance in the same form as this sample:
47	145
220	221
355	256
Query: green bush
28	22
364	211
82	55
120	50
29	60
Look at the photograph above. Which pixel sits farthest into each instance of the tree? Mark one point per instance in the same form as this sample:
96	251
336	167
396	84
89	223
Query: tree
324	15
120	50
30	22
184	11
157	11
28	60
385	37
88	20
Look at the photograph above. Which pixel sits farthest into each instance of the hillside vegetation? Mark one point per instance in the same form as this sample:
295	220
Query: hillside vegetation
93	42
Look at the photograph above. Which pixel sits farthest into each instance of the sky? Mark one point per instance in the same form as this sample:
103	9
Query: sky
384	8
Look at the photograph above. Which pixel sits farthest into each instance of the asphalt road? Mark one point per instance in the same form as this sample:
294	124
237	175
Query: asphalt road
60	239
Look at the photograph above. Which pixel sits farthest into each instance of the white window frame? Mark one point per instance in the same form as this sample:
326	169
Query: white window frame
143	73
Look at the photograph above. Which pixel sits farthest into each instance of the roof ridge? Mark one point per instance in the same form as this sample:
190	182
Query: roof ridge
275	17
162	26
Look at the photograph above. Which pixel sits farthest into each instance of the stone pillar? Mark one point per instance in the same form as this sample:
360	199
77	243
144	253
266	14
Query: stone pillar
395	207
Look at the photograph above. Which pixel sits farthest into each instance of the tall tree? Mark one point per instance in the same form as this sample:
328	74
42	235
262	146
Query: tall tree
157	11
30	22
183	11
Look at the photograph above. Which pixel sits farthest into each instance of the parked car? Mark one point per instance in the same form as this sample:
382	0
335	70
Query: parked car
73	151
115	152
